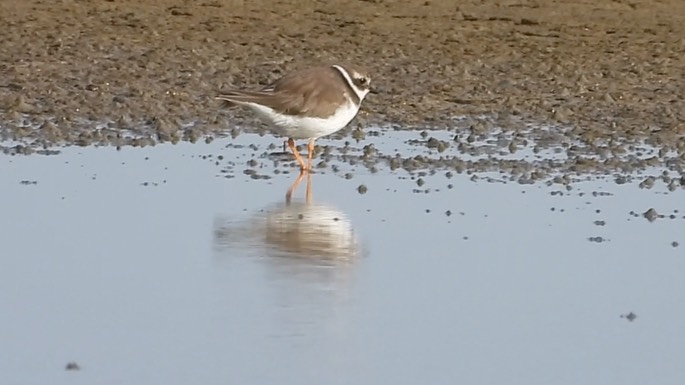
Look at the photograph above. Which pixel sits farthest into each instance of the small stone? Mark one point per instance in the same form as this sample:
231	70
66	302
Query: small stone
651	215
648	183
512	147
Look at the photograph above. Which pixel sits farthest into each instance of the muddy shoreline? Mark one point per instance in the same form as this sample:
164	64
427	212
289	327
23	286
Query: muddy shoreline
125	72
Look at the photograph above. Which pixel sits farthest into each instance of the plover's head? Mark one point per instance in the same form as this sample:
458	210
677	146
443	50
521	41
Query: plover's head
359	80
362	82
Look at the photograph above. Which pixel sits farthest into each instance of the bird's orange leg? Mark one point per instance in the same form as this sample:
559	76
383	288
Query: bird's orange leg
291	144
310	153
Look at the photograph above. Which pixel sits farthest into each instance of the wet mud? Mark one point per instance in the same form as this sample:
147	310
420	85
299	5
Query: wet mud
606	76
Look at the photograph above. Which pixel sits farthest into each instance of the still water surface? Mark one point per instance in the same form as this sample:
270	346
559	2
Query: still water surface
149	266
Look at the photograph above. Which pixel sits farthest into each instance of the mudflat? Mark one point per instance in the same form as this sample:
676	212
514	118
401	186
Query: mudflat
87	71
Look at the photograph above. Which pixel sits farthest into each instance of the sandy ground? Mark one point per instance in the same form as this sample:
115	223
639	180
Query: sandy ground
608	70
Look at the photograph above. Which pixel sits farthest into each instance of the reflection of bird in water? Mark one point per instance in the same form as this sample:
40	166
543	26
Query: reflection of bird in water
309	230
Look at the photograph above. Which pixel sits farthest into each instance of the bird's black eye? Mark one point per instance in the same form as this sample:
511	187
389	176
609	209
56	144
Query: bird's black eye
361	81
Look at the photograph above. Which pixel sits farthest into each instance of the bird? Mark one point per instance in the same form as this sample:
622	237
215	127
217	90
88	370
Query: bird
306	104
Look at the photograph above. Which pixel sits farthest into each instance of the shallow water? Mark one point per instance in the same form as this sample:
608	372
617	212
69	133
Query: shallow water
150	265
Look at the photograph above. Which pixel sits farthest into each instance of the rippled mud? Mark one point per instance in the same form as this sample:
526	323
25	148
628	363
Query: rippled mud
137	73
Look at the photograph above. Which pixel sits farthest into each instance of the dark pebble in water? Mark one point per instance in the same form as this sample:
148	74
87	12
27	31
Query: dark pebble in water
72	366
362	189
257	176
369	150
651	215
358	134
630	316
512	147
647	183
420	182
440	145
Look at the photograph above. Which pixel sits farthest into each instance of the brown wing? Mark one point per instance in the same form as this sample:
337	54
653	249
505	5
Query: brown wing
316	92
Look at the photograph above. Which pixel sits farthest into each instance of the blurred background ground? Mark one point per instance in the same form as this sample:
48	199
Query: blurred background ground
607	69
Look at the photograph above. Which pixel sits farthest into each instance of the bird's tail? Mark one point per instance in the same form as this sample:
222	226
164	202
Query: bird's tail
230	98
226	103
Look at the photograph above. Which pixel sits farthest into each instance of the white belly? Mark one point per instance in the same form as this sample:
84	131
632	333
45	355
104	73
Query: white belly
298	127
